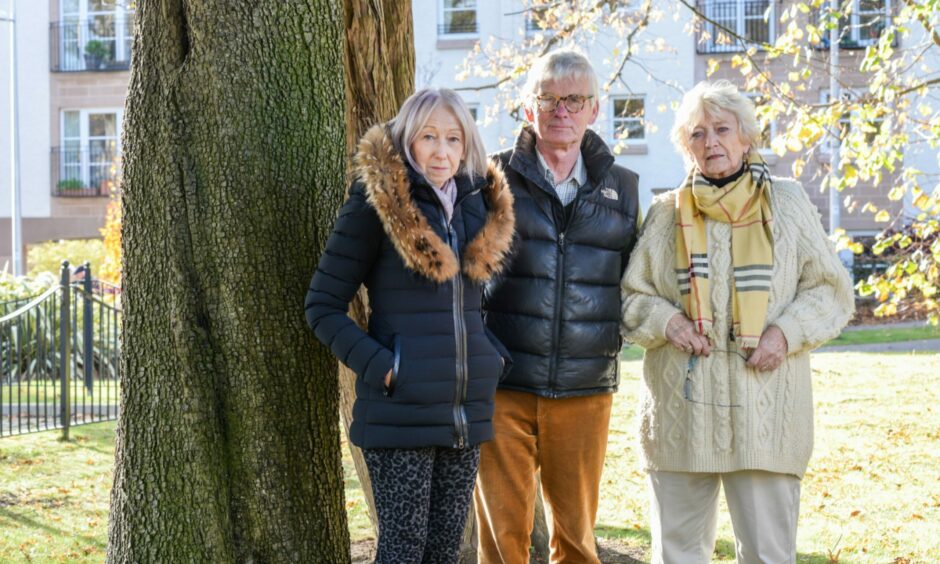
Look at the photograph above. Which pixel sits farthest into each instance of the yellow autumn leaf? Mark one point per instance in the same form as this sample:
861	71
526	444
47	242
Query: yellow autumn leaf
713	65
797	167
793	144
883	216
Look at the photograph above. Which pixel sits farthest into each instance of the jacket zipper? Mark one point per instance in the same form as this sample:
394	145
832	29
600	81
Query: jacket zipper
559	298
460	336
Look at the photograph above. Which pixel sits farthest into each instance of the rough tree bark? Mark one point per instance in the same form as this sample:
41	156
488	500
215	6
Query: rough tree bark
228	445
380	69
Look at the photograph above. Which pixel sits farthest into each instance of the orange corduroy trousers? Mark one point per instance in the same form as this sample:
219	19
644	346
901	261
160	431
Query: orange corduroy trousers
566	440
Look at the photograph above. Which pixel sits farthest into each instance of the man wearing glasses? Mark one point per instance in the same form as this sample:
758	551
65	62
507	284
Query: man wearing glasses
557	310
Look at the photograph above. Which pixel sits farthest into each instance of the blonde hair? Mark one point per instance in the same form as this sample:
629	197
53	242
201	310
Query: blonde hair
414	115
563	64
710	98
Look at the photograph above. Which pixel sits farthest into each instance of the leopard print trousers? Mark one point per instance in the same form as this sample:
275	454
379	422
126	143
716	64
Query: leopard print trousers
422	497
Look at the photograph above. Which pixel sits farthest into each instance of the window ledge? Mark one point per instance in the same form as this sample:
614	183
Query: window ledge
444	42
630	149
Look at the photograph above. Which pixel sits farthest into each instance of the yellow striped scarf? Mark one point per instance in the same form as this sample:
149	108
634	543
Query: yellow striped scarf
744	203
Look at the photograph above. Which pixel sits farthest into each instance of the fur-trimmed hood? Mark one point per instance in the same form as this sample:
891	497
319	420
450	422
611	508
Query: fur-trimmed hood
388	189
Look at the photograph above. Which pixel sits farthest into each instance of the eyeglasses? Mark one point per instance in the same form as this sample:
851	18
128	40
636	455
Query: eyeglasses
574	103
687	387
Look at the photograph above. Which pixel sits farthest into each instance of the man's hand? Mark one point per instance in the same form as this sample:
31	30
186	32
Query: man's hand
770	351
388	379
682	334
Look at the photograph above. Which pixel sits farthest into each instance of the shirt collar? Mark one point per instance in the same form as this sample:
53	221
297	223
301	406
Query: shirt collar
578	172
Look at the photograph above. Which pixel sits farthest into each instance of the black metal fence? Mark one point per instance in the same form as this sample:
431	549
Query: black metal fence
59	354
85	170
101	44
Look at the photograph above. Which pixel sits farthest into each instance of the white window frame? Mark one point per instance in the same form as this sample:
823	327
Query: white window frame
615	121
740	25
84	140
442	11
855	31
83	17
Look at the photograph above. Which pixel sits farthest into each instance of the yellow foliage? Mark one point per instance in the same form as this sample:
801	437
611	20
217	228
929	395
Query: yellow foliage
110	270
48	256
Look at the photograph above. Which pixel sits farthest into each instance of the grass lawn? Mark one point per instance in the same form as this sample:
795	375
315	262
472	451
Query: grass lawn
872	492
54	495
886	335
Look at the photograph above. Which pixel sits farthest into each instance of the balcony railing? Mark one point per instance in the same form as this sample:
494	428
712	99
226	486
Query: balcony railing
743	17
457	28
85	171
101	44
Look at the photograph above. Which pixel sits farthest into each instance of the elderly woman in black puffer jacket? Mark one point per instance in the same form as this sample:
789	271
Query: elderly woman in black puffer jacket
426	224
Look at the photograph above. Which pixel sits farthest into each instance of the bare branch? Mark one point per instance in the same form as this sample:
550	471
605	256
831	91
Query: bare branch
628	51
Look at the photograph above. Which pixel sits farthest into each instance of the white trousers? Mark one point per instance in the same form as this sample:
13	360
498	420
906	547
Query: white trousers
764	507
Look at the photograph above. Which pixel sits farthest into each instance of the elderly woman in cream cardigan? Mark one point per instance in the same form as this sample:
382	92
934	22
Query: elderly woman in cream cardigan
732	284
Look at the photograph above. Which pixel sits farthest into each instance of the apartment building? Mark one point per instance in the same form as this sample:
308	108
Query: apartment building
74	56
863	27
72	75
634	114
643	103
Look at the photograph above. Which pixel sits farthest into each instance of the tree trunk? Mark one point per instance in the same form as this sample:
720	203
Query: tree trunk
228	445
540	536
380	72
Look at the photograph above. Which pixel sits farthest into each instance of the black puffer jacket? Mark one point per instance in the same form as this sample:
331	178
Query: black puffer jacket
426	322
557	308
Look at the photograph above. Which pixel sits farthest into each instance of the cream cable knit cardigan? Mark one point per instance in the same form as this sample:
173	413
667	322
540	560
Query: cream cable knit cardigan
811	299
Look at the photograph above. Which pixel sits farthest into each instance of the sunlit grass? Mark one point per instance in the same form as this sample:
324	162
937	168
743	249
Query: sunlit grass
871	494
54	495
887	335
872	490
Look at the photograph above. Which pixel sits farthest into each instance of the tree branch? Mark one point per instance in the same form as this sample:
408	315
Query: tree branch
628	52
924	20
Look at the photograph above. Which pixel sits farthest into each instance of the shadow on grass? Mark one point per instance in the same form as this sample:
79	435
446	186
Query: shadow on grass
7	516
724	548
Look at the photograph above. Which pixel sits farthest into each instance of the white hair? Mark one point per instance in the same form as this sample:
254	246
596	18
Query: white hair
414	115
711	98
563	64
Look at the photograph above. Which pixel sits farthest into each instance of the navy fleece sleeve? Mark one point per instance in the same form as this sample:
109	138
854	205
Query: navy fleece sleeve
350	253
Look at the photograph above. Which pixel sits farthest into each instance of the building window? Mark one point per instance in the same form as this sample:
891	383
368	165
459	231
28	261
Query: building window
752	20
88	160
458	17
628	114
865	22
93	35
474	112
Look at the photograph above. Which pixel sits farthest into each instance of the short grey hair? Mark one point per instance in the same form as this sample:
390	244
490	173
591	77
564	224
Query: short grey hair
562	64
414	114
710	98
